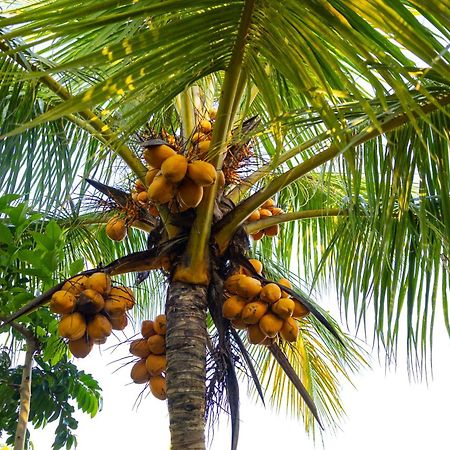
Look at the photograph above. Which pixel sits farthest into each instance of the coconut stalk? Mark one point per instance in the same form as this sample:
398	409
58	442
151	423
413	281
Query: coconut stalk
25	385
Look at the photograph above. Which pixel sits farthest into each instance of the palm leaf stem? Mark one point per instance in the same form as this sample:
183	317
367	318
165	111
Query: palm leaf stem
225	228
253	227
102	130
194	268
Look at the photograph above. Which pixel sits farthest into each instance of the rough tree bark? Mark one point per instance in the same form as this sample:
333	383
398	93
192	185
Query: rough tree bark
186	359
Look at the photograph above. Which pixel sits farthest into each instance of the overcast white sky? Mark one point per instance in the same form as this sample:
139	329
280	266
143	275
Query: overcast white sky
384	411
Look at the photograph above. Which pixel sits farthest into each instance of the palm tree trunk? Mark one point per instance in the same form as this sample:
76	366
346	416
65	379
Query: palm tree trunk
186	359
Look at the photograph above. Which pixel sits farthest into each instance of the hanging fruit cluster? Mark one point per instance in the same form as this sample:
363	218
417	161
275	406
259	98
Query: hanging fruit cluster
90	309
267	209
151	351
265	311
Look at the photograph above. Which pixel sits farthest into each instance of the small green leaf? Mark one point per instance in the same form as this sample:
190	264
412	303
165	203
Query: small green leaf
76	266
6	235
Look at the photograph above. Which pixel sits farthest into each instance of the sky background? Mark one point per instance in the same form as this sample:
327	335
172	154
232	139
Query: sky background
384	411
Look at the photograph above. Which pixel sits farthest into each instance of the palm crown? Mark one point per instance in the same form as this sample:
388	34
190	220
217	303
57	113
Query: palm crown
349	132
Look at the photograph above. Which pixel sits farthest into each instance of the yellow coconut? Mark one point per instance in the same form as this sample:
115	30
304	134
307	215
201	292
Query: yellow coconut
264	213
257	265
147	328
99	327
157	344
289	330
232	307
160	324
270	293
205	126
272	231
161	190
119	322
255	335
197	137
300	310
158	387
90	302
253	312
156	364
231	283
116	228
157	154
62	302
174	168
189	194
270	324
283	307
124	294
114	308
258	235
254	216
220	179
202	173
100	282
276	211
139	347
142	197
285	282
72	326
139	373
270	203
81	347
150	175
203	148
248	287
76	284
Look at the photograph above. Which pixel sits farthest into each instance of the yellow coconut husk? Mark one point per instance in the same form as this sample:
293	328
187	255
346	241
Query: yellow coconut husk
161	190
289	330
254	216
231	283
270	293
253	312
270	203
264	213
283	308
90	302
157	344
270	324
139	373
99	327
220	179
232	307
189	194
150	175
199	136
156	364
272	231
147	328
285	282
248	287
157	154
119	322
174	168
123	294
300	310
142	197
81	347
160	324
276	211
205	126
258	235
239	324
72	326
203	148
116	228
100	282
62	302
158	387
255	335
202	173
139	347
76	284
114	308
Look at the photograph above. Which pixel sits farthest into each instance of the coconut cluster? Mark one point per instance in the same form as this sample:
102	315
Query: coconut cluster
264	311
151	351
90	308
267	209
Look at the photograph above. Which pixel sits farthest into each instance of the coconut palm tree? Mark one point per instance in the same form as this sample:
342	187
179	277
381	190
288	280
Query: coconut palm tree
339	110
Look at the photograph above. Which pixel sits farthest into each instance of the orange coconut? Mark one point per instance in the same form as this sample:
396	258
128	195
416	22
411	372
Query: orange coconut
62	302
99	327
72	326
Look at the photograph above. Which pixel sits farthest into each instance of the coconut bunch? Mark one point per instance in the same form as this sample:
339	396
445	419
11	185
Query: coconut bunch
267	209
90	308
151	351
264	311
